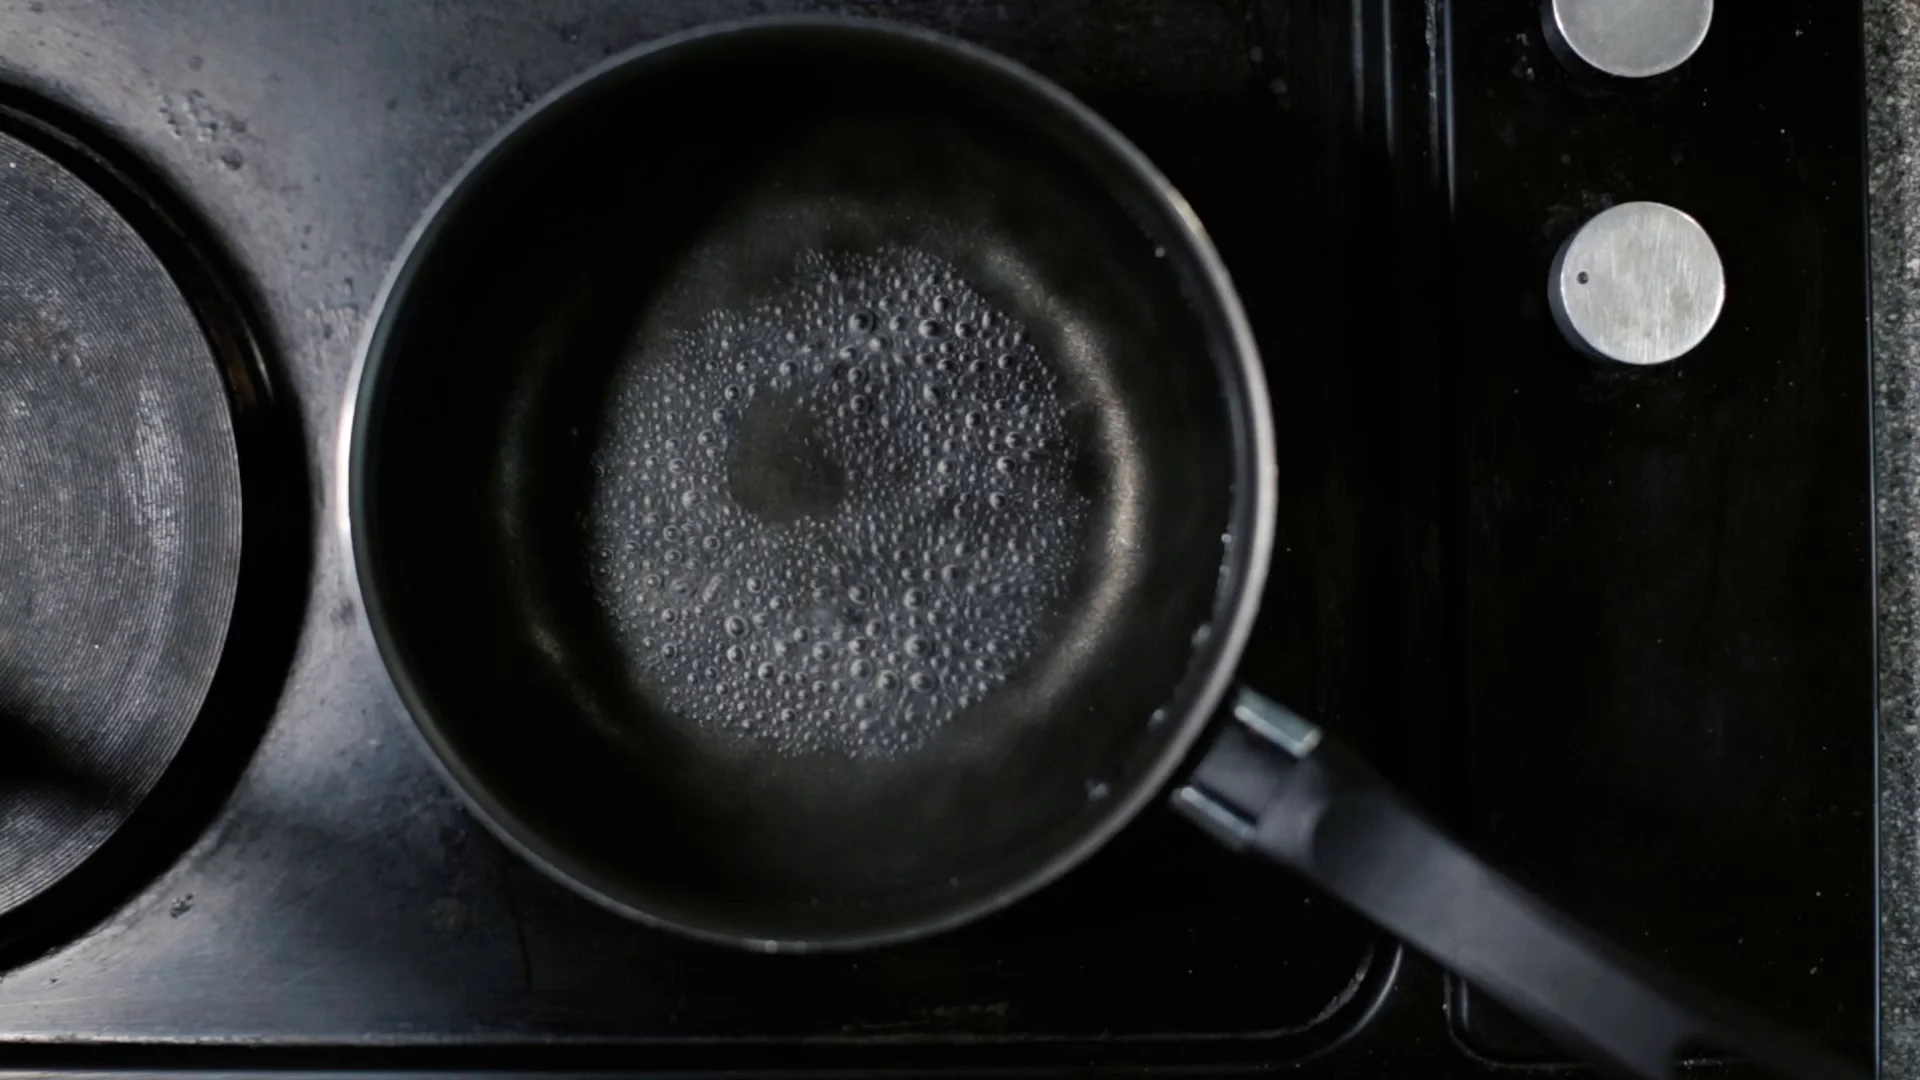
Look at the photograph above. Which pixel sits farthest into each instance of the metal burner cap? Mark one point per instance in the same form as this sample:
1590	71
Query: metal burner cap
1640	283
1628	39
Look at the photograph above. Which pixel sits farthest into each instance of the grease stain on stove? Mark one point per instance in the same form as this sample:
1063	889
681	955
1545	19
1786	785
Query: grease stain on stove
194	118
339	317
970	1019
449	916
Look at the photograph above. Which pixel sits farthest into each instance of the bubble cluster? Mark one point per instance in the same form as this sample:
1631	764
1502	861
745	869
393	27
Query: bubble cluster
910	561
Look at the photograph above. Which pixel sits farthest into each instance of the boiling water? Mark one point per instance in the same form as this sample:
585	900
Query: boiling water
836	521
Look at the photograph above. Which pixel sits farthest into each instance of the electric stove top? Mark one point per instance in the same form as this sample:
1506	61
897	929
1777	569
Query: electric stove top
1613	626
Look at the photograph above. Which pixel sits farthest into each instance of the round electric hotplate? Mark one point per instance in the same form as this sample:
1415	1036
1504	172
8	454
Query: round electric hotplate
120	516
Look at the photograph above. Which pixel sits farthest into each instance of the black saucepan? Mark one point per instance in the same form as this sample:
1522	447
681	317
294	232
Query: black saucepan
811	482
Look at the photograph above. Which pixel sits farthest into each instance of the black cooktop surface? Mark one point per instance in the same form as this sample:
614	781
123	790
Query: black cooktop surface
1614	626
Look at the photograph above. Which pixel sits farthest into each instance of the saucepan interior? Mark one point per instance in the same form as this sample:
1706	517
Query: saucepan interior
805	482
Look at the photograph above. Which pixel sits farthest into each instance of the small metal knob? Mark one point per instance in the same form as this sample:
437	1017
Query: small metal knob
1639	283
1627	39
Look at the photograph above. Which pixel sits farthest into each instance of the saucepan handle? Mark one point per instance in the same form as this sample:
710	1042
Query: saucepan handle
1275	784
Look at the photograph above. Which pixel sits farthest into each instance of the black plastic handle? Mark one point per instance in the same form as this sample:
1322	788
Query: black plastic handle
1273	783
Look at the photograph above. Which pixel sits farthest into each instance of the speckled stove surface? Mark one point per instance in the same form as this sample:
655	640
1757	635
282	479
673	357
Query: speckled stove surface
1529	587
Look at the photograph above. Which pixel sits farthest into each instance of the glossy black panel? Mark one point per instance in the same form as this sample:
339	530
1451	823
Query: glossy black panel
1665	575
